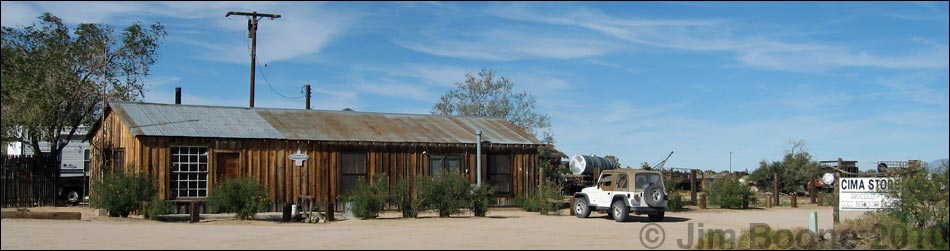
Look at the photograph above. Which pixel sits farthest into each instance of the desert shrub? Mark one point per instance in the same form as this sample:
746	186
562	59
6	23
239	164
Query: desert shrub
923	202
369	199
156	207
123	193
479	199
728	192
883	231
446	193
407	202
922	197
244	196
545	200
675	202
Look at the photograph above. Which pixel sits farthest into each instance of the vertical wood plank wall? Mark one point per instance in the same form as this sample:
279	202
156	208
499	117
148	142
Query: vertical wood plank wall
267	160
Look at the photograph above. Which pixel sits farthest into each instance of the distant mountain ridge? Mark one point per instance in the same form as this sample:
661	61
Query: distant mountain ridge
936	164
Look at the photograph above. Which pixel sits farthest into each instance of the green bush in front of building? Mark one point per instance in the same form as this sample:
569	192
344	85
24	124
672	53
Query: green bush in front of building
122	193
243	196
544	200
447	194
480	198
369	199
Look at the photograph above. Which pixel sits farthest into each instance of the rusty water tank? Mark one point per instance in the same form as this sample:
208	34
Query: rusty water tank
581	164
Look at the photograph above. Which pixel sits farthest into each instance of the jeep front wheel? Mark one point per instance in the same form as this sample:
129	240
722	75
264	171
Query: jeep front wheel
619	210
581	207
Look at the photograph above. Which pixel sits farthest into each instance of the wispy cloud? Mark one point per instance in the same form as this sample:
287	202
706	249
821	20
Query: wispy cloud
435	75
508	45
718	35
918	87
302	30
17	13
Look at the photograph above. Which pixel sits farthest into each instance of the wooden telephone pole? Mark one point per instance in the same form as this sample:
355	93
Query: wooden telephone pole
252	30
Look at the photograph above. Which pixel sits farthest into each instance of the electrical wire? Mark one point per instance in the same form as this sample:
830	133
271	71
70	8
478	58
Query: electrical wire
264	75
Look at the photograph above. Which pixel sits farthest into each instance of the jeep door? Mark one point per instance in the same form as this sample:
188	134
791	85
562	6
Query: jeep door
605	184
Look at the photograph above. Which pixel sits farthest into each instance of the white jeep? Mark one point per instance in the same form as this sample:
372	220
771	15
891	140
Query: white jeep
622	191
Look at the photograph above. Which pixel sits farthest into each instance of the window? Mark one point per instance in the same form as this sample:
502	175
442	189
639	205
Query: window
439	164
85	160
499	173
645	179
606	180
622	182
353	169
115	158
189	172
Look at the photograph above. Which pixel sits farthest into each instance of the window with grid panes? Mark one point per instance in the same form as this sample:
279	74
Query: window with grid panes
189	172
444	164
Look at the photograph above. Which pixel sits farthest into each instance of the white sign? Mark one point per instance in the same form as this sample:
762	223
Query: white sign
865	193
298	158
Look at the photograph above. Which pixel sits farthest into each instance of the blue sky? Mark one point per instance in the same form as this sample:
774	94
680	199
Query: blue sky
864	81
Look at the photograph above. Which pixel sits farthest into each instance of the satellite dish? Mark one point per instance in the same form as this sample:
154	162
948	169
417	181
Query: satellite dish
828	179
882	167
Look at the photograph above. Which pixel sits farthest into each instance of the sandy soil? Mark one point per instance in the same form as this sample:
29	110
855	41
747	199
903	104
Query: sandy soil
503	229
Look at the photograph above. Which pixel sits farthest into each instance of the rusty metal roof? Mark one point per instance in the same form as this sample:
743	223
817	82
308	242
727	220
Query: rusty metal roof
148	119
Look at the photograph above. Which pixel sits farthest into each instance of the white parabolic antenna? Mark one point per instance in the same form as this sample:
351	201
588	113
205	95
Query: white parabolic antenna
828	179
578	165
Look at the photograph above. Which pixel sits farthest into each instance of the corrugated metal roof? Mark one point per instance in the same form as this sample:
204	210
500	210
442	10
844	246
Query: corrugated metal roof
193	121
147	119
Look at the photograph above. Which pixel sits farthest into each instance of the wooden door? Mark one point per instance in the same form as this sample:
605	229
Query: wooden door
228	166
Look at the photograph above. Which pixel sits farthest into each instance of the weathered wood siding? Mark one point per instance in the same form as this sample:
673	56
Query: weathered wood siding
267	160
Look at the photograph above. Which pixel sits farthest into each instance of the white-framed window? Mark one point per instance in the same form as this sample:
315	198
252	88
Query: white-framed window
189	172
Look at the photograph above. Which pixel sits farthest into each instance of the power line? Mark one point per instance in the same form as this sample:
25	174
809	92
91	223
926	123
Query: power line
269	86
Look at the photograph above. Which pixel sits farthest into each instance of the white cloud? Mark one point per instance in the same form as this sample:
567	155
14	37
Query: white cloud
435	75
395	89
508	45
918	87
717	35
301	31
17	14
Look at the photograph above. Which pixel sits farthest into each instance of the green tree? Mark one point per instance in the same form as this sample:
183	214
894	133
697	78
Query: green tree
54	79
488	96
613	160
794	171
646	166
921	197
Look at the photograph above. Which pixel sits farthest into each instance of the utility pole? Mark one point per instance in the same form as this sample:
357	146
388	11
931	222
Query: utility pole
252	30
730	162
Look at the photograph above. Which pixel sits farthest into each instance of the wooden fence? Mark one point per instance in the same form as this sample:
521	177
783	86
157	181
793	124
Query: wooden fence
28	181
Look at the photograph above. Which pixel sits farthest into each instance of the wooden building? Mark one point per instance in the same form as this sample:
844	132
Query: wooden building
191	148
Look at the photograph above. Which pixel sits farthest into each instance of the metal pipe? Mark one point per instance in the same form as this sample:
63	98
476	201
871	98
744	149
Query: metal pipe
177	95
307	93
478	158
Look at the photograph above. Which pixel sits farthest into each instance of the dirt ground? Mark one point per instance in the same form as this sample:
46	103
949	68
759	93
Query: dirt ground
503	229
